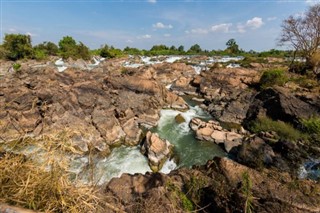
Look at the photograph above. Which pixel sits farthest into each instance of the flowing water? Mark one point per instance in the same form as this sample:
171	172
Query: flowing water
188	150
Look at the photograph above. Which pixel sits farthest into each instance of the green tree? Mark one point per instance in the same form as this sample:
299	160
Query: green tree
68	47
110	52
45	49
195	49
83	51
17	46
181	48
232	46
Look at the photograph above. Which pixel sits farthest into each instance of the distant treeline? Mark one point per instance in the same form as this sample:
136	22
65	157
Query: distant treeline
18	46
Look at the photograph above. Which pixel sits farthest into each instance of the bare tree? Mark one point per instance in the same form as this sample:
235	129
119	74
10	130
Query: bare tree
303	34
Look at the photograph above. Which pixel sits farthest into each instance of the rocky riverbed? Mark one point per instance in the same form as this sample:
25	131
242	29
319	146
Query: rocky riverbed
94	110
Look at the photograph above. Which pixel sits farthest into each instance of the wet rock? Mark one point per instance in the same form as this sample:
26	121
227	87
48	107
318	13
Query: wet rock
179	119
157	150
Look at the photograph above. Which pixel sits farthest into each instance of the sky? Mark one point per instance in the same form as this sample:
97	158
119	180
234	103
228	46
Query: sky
254	24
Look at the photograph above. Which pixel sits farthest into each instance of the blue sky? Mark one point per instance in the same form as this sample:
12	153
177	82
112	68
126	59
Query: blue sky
144	23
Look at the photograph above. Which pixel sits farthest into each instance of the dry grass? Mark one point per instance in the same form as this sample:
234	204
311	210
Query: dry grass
28	185
40	180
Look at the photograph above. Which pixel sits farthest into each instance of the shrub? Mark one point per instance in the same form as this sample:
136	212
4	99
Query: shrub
40	54
24	183
305	82
312	125
17	46
283	130
273	77
16	66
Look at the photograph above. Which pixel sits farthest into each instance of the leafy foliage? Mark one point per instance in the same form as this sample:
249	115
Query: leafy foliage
273	77
17	46
232	46
110	52
69	48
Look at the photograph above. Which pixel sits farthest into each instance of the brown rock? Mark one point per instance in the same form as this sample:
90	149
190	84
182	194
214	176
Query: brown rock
157	150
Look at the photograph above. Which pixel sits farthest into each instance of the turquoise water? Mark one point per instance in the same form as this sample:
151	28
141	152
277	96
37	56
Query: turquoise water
188	150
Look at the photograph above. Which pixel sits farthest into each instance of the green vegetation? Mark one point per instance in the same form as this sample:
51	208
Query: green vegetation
283	130
312	127
69	48
246	189
180	197
16	67
17	46
110	52
273	77
232	46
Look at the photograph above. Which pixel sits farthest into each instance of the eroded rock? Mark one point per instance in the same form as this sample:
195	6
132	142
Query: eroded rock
157	150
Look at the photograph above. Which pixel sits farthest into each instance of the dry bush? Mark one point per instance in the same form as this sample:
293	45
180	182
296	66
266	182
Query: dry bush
39	179
28	185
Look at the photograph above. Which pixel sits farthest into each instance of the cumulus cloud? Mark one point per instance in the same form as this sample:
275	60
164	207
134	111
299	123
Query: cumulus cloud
160	25
221	27
255	23
152	1
129	41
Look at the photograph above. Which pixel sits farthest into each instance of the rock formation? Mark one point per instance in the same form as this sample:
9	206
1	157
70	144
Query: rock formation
157	150
212	131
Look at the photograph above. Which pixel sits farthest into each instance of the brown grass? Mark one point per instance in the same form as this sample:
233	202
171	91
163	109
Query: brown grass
41	180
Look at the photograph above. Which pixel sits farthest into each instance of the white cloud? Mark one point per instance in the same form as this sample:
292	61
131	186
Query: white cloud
241	28
146	36
197	31
312	2
272	18
255	23
221	27
129	41
160	25
152	1
167	35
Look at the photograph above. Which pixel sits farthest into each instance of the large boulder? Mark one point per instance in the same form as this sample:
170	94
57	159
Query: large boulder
280	103
212	131
226	93
157	150
222	183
